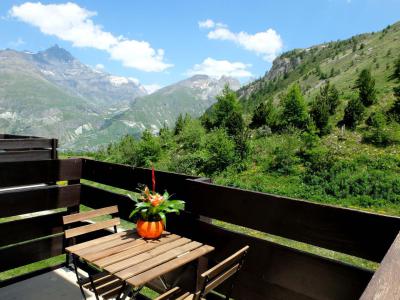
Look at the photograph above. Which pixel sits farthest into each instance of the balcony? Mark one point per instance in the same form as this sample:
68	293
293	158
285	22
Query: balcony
221	216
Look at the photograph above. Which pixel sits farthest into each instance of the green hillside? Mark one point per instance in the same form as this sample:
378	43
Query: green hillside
339	62
56	113
284	133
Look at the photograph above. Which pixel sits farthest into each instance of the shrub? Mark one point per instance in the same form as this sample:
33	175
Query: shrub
148	150
284	156
379	133
376	119
382	134
360	178
190	163
123	151
191	136
219	150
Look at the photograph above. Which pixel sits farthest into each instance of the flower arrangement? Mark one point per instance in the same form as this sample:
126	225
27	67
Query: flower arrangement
151	209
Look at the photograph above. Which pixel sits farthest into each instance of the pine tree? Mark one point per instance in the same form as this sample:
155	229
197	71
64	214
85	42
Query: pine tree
324	106
260	115
294	112
366	88
353	113
180	123
226	113
330	95
320	115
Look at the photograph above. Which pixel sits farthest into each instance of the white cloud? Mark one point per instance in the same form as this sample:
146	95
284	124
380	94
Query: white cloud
266	43
134	80
151	88
70	22
99	67
139	55
217	68
206	24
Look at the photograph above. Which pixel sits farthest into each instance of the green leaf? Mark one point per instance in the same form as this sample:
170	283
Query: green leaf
133	198
163	218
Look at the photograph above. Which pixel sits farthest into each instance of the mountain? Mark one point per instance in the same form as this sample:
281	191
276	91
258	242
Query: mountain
53	94
337	61
102	89
193	96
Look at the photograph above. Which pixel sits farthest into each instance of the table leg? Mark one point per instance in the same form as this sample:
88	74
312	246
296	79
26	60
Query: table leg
202	265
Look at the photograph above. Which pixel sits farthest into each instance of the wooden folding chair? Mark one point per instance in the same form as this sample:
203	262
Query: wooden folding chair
101	283
228	268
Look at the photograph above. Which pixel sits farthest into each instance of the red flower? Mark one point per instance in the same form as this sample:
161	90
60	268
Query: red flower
156	199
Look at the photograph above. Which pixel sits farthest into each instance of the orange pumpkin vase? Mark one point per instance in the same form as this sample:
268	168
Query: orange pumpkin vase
149	229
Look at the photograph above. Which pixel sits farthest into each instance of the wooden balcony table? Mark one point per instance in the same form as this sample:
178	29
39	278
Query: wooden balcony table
137	261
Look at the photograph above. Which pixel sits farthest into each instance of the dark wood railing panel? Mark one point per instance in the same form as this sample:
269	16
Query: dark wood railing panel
126	177
26	148
25	155
25	143
349	231
23	254
30	228
33	172
27	200
385	284
273	271
97	198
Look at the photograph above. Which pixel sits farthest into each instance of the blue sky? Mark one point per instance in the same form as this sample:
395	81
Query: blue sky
161	42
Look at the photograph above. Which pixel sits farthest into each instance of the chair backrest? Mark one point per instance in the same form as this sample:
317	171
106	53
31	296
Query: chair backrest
83	216
221	272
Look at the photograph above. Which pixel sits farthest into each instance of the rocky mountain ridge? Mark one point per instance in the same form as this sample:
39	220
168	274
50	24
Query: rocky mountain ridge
53	94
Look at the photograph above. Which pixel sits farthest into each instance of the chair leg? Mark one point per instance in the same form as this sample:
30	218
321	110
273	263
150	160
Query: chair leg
93	287
232	285
122	290
77	277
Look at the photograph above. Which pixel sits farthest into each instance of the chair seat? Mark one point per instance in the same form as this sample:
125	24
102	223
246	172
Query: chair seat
107	286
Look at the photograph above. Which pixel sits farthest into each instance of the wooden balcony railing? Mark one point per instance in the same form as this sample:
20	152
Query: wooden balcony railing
272	271
22	148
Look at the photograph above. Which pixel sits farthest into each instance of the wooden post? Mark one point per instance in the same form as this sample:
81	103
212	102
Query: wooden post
54	152
385	284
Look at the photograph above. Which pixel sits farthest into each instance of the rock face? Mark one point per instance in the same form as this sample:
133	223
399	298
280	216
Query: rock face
282	66
60	67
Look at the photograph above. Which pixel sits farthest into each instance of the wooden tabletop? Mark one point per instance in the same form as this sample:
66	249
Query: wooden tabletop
137	260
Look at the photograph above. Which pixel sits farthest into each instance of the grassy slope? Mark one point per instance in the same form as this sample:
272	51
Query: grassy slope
340	56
